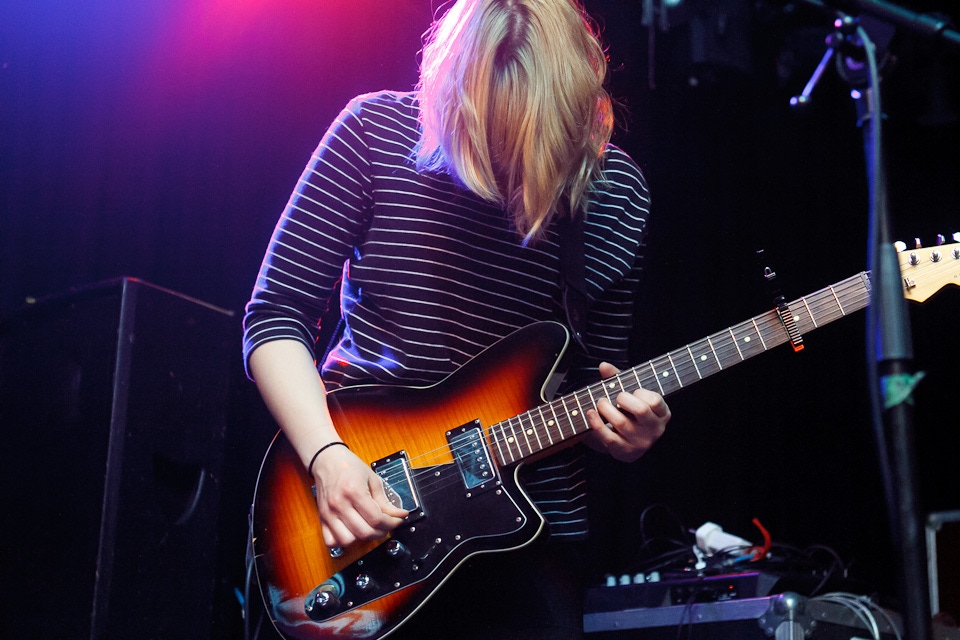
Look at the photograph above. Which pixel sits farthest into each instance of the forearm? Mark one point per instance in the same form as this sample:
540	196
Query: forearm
287	379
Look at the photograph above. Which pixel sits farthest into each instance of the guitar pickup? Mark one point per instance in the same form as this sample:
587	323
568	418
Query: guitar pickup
394	471
469	449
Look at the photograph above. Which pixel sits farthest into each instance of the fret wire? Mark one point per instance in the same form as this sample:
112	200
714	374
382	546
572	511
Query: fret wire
723	348
719	364
543	428
741	335
608	385
509	440
648	378
593	401
636	375
666	375
735	343
578	413
558	417
747	332
707	363
676	372
694	361
798	318
566	414
656	377
759	334
839	304
812	318
523	432
497	442
532	430
512	440
540	427
555	427
689	369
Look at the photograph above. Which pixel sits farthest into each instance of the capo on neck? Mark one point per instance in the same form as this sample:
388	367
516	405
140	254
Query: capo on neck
783	310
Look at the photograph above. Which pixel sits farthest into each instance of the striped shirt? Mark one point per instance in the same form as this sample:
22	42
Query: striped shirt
430	274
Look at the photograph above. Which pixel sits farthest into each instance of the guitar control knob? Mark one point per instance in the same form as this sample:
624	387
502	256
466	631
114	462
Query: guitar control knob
364	582
396	549
323	602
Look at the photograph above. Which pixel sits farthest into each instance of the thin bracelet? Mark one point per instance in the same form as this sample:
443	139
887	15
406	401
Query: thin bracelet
321	450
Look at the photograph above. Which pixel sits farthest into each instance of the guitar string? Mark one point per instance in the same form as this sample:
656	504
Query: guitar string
831	298
762	325
724	353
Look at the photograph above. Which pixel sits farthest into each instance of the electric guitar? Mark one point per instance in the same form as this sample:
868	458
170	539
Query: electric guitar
449	454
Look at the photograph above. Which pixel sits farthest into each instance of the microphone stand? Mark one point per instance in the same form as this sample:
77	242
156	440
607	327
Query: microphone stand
926	25
889	341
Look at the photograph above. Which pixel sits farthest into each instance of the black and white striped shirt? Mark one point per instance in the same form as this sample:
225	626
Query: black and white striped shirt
431	274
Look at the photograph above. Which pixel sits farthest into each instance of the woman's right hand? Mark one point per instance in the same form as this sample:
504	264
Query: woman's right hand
351	499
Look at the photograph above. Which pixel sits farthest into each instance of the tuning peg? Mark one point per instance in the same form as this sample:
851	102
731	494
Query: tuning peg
900	246
917	243
940	239
956	237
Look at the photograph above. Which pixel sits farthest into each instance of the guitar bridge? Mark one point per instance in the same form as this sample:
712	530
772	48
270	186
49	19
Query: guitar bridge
470	452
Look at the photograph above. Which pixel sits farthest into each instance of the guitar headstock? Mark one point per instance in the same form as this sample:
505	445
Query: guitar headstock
926	270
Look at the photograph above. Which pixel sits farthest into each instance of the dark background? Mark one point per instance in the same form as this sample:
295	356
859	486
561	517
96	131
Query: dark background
161	141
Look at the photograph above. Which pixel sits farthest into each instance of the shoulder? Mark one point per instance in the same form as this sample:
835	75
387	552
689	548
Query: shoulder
383	107
619	172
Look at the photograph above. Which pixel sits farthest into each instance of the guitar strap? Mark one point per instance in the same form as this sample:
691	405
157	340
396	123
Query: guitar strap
573	283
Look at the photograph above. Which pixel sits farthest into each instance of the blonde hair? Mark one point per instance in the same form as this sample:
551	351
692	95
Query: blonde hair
513	105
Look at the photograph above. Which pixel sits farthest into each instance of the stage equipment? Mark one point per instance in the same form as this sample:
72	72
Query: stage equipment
112	409
889	338
943	563
738	606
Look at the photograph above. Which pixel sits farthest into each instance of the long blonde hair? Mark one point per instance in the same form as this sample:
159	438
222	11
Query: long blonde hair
513	104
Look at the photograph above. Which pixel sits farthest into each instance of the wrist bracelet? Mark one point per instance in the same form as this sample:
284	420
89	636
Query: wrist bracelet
321	450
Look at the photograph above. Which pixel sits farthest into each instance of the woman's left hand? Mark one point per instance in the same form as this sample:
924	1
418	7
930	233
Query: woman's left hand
627	429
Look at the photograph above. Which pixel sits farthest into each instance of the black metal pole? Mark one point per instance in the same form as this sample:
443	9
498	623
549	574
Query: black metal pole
890	344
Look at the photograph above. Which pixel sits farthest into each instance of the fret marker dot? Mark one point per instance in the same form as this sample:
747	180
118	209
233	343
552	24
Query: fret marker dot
510	439
796	318
611	385
703	358
550	423
666	374
529	432
574	412
747	339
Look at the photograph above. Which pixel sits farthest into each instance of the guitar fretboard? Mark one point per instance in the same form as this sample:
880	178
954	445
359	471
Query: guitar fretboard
565	417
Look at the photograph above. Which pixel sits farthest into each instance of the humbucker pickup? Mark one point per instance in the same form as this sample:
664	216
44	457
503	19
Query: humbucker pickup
470	452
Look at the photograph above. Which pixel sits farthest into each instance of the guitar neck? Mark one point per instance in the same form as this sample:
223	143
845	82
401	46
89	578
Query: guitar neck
564	418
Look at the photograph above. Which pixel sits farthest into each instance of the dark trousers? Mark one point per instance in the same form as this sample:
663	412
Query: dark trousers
532	593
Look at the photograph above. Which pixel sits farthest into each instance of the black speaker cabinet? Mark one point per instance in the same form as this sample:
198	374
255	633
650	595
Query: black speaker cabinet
113	418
